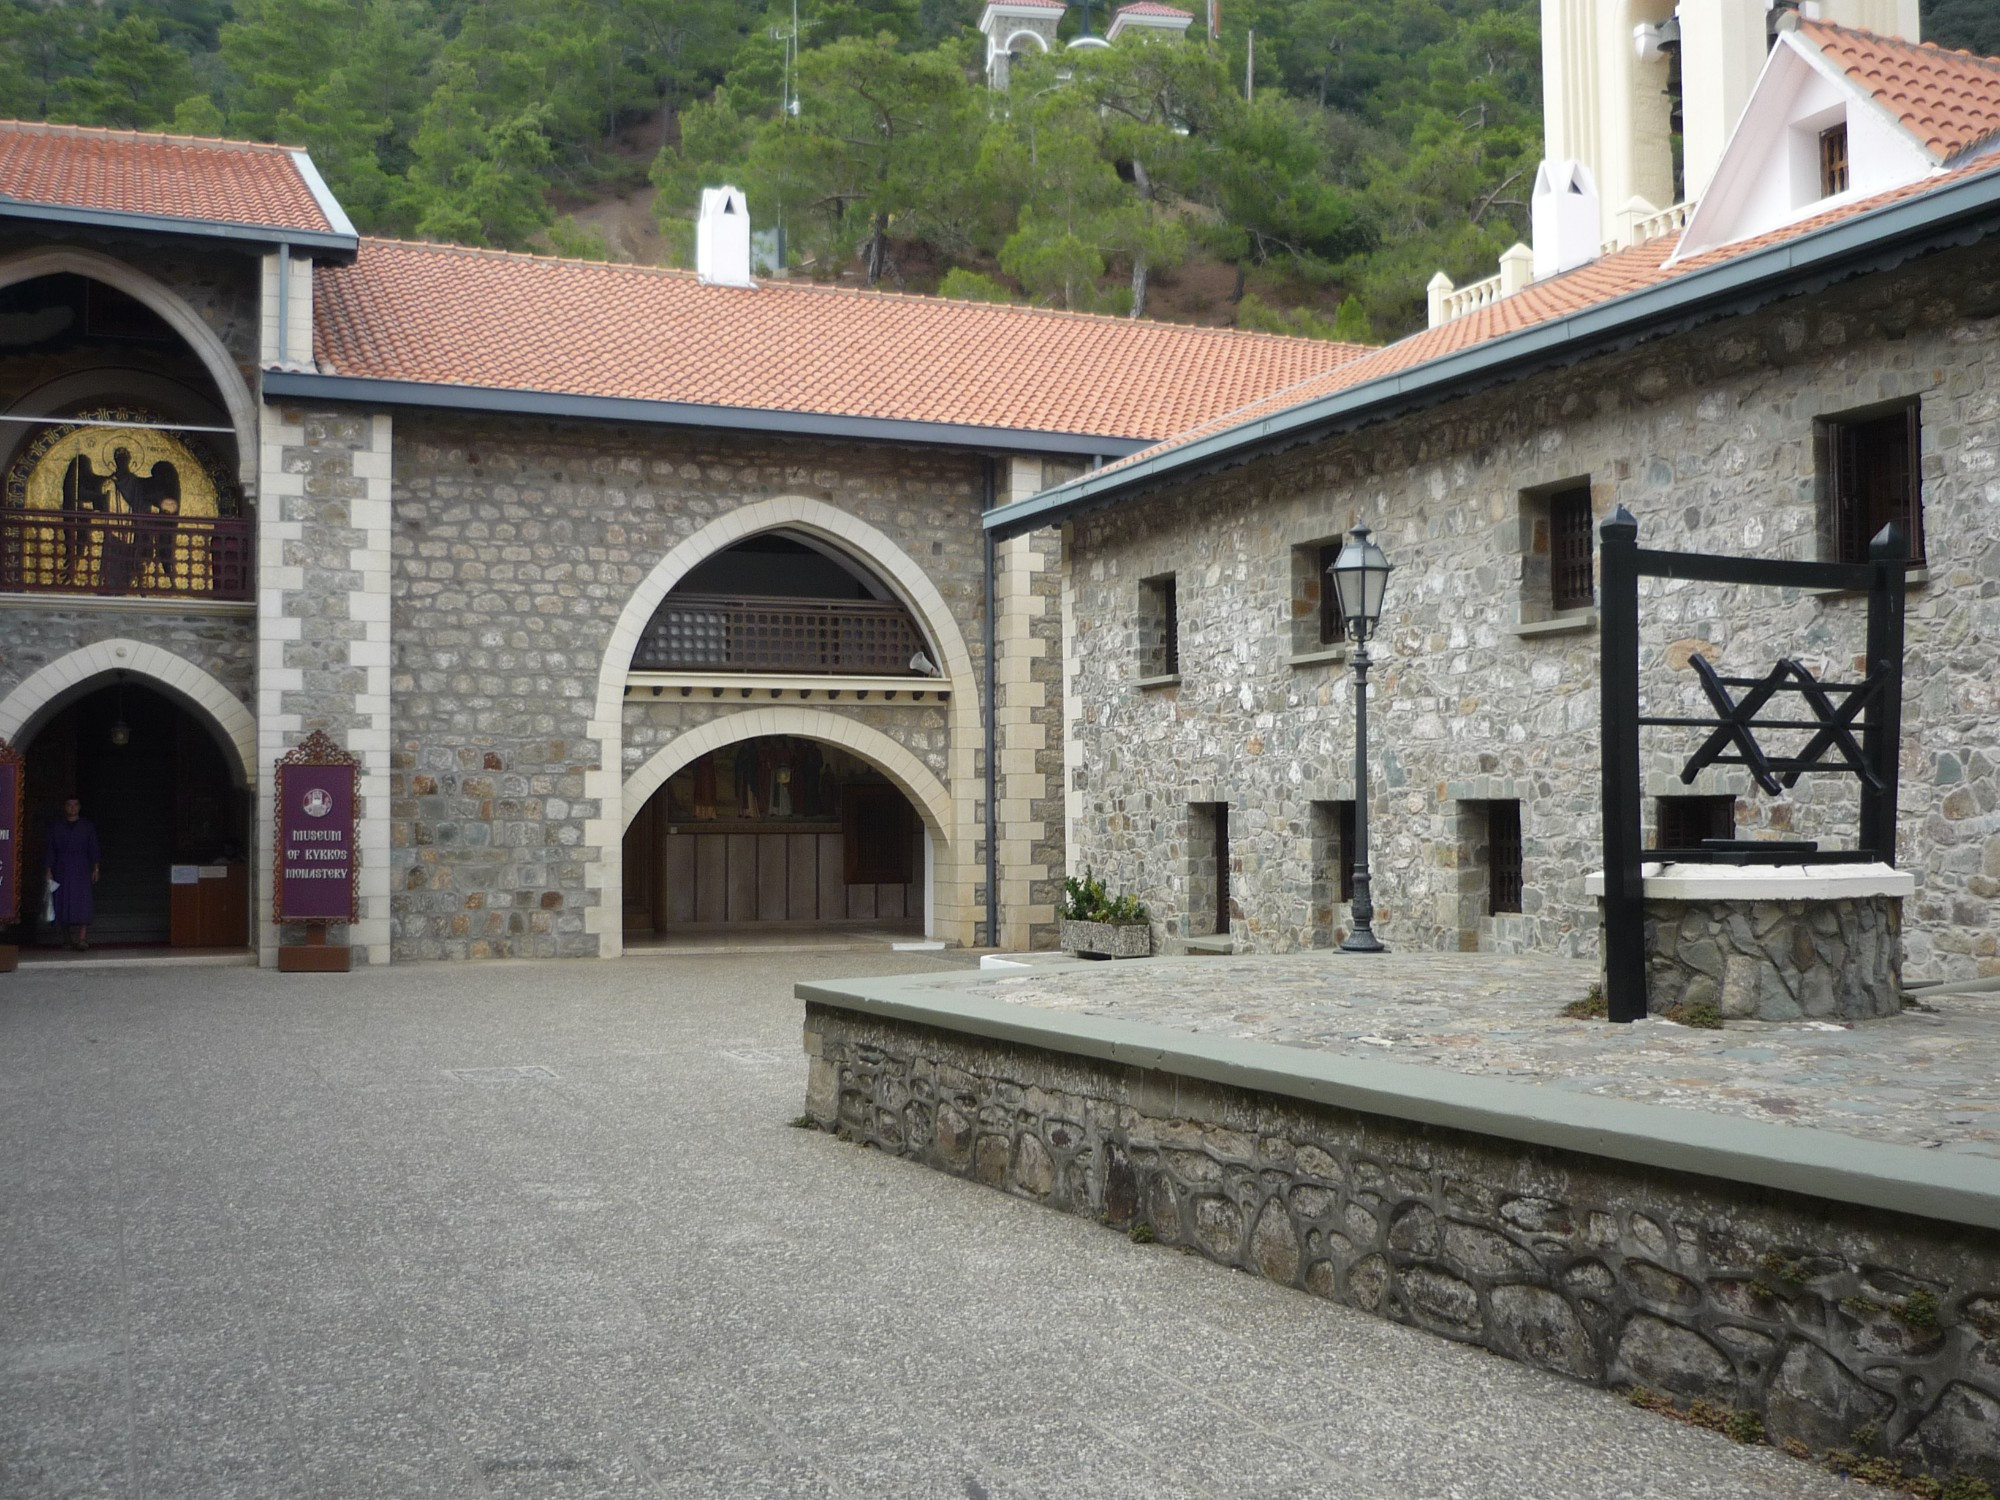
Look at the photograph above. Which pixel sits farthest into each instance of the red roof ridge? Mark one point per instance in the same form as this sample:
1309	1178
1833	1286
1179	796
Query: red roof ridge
1835	28
155	137
922	299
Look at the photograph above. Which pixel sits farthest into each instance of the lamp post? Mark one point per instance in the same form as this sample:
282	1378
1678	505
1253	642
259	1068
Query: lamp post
1360	576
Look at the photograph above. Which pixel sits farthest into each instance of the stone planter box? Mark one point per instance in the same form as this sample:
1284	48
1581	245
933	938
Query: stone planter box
1126	940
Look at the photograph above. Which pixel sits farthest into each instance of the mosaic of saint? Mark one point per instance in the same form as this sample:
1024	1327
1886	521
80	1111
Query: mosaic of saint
131	509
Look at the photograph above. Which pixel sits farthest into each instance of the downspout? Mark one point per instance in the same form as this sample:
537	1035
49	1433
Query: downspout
987	500
284	302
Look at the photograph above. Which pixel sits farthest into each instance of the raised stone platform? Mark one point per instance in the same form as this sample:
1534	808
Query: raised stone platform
1796	1221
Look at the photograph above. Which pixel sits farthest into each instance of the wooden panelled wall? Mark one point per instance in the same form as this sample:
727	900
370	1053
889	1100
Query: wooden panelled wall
750	873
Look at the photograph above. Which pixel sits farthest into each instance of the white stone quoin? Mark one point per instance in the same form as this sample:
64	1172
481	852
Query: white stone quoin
722	238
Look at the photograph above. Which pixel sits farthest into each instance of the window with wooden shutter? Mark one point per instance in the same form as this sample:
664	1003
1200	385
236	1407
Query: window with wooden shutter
1572	565
1160	627
1833	177
1688	822
1875	477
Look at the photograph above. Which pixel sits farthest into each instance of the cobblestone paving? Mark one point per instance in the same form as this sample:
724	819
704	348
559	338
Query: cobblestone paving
1928	1078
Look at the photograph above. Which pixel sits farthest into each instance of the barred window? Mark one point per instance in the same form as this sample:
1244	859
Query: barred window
1872	476
1160	627
1572	566
1503	843
1332	623
1686	822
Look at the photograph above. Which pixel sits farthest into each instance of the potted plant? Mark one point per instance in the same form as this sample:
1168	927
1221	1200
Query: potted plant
1094	923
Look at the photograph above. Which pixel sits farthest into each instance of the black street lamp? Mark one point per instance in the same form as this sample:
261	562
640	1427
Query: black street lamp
1360	576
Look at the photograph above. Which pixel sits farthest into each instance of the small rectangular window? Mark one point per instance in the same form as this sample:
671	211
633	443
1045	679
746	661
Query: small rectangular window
1572	567
1873	475
1208	861
1332	624
1160	627
1687	822
1503	834
1833	160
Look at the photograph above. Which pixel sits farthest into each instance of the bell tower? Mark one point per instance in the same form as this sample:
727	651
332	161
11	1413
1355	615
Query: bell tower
1621	77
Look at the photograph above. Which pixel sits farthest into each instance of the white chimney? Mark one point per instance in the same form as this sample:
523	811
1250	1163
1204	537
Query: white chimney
722	238
1564	213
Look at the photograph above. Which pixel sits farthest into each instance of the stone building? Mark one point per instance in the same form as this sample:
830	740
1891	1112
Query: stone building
1816	354
649	601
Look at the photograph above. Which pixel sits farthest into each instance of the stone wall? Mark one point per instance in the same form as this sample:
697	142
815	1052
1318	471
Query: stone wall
518	546
1709	438
1776	960
1839	1327
222	644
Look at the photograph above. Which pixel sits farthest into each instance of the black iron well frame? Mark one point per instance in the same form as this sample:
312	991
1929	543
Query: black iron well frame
1877	701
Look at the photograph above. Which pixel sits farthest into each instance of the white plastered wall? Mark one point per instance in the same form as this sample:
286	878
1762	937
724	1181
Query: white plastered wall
287	343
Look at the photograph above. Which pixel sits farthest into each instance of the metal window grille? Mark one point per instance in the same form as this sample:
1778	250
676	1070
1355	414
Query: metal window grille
1343	817
1833	161
1332	624
1877	479
1572	558
709	632
1687	822
1503	856
1163	650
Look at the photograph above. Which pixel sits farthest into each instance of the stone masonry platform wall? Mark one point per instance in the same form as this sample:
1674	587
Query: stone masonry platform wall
1842	1326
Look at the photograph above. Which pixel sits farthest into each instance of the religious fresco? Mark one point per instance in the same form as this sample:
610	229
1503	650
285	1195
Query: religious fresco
774	779
130	509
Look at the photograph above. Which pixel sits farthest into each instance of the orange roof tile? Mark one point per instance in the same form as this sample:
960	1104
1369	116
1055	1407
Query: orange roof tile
1950	101
441	314
1153	8
1601	281
184	177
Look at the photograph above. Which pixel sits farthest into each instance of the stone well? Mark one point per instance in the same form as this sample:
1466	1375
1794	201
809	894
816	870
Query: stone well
1774	942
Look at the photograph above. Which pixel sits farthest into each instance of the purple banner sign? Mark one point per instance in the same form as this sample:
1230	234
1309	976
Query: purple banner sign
10	833
316	838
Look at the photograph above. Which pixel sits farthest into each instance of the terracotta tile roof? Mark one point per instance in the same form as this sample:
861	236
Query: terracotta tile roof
444	315
120	171
1950	101
1588	286
1150	8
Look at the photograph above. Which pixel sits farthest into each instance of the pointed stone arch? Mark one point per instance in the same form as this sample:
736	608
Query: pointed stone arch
84	670
951	819
174	310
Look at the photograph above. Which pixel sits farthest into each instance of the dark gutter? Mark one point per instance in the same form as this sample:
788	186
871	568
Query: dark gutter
990	715
326	245
368	391
1886	237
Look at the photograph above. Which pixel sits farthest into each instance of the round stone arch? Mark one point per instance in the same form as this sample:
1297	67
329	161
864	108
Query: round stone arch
85	669
952	819
1041	42
177	314
911	776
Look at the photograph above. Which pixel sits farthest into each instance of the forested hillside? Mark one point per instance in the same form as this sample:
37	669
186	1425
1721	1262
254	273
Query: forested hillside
1379	140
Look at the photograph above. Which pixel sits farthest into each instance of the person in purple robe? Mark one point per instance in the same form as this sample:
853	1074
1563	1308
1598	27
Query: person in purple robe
72	865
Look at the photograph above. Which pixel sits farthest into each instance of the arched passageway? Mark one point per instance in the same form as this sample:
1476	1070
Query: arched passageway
161	785
771	833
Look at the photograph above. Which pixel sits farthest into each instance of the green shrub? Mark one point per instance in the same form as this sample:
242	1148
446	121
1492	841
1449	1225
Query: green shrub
1086	900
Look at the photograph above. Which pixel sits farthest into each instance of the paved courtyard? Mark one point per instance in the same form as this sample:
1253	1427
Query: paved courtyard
544	1231
1929	1077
